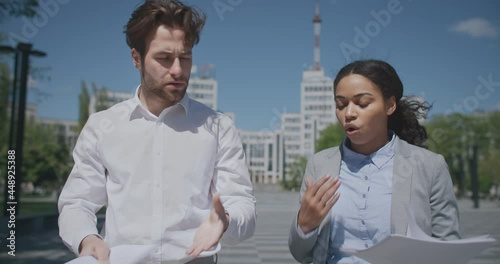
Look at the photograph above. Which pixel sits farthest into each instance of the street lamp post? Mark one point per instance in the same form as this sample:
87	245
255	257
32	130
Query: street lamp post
14	101
16	137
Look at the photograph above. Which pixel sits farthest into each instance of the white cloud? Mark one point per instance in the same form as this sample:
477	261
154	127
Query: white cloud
475	27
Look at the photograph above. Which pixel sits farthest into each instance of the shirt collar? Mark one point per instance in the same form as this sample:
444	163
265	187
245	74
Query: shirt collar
141	109
349	156
378	158
385	153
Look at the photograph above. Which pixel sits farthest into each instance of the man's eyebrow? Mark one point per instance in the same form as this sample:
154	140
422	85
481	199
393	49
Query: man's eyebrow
188	52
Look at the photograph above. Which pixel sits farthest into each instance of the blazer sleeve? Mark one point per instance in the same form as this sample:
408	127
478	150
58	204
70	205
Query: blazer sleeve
444	208
302	248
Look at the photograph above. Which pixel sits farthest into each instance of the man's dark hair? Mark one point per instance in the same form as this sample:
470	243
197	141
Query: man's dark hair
170	13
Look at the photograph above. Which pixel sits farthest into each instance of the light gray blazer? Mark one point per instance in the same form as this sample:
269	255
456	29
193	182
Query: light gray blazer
421	182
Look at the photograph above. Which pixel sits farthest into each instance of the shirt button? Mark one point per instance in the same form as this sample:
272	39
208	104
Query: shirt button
366	177
363	222
158	123
366	245
158	250
364	195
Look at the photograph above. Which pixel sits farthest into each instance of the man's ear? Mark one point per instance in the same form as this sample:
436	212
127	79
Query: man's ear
136	58
390	105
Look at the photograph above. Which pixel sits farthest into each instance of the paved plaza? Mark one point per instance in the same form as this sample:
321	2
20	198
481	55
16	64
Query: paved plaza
269	244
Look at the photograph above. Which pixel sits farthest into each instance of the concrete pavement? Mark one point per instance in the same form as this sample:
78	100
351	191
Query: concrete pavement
269	244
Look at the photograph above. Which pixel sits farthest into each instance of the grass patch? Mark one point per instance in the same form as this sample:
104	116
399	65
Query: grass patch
28	208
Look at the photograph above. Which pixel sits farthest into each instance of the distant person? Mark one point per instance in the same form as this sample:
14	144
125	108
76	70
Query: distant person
356	194
170	171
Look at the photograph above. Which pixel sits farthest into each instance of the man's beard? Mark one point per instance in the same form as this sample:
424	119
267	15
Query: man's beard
151	87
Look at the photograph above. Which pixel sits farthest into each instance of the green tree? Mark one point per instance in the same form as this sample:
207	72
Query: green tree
488	171
101	98
490	154
494	129
330	136
84	101
295	173
46	159
445	136
453	137
17	8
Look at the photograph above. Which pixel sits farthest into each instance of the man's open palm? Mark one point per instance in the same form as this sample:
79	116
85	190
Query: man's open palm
211	230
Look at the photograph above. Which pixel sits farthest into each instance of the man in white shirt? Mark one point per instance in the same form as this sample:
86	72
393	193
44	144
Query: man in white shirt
170	171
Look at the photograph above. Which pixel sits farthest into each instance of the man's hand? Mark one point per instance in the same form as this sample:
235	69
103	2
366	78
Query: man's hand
94	246
211	230
317	201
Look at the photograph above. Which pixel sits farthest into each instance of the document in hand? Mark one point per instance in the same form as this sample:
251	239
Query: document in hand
125	254
418	247
401	249
134	254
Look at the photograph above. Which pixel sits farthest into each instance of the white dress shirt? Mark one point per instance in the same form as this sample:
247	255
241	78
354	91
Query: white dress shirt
156	176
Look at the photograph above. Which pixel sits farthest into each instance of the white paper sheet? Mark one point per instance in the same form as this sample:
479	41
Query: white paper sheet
124	254
132	254
418	247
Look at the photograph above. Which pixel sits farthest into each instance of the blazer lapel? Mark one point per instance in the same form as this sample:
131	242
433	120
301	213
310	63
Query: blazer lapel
320	251
401	187
334	160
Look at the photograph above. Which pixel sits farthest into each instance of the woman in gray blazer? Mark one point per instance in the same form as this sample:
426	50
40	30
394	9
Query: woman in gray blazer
358	193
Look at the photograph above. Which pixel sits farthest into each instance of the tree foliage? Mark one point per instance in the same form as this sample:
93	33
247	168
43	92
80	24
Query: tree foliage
101	98
330	137
17	8
46	159
84	101
295	173
454	135
47	162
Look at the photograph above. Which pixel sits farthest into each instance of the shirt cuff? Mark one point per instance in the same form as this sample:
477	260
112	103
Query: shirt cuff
78	240
303	235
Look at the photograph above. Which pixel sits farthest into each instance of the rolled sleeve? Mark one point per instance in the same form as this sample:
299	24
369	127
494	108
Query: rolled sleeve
84	192
232	181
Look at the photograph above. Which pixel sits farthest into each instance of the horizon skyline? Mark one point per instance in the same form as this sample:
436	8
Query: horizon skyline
455	69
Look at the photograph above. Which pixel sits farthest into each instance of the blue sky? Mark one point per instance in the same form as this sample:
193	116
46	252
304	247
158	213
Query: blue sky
443	50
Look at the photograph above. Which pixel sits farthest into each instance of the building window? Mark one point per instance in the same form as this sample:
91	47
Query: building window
257	151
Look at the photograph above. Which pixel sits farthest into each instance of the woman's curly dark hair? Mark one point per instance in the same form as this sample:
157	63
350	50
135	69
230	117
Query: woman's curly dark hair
404	121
